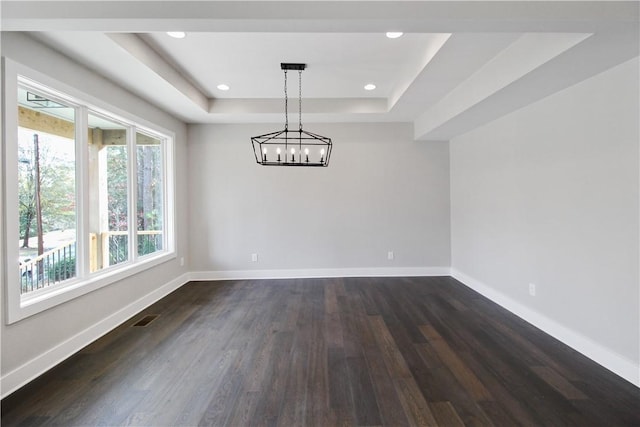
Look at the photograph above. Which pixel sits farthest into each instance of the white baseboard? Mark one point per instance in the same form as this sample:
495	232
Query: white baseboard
45	361
320	273
612	361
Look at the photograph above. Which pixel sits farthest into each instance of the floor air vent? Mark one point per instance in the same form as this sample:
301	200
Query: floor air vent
146	320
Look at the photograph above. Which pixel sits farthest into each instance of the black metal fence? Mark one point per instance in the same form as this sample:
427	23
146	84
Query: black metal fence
49	268
149	241
59	264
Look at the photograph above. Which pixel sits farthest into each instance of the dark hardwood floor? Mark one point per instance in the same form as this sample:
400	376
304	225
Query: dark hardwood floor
326	352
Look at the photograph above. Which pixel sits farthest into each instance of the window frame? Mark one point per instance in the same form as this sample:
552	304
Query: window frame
20	306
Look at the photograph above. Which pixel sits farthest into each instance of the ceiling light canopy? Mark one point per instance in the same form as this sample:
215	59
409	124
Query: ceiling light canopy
292	147
177	34
394	34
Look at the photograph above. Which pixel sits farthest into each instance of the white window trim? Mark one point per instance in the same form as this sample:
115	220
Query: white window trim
20	306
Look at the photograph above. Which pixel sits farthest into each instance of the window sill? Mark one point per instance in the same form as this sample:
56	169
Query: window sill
49	298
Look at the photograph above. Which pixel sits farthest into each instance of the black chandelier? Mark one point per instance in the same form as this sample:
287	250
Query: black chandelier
292	147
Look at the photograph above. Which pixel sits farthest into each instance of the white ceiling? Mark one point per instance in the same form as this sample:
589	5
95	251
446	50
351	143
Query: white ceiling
340	64
458	66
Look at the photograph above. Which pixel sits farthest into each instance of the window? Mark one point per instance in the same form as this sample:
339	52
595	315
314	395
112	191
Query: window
109	193
149	212
89	197
46	191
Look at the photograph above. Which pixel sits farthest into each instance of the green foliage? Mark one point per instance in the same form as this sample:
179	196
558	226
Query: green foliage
57	183
117	187
149	180
62	270
149	207
118	249
149	243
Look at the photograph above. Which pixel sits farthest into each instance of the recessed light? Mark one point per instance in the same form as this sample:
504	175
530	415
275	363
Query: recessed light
394	34
176	34
223	87
369	86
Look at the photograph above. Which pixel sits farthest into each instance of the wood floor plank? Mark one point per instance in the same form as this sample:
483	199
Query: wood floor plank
464	375
260	366
413	402
389	406
340	397
326	352
364	399
318	386
274	386
294	404
196	399
441	385
496	412
558	382
219	409
540	400
520	341
244	408
507	395
445	414
393	359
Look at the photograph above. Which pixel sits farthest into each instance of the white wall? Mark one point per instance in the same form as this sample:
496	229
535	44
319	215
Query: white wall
34	344
382	192
549	195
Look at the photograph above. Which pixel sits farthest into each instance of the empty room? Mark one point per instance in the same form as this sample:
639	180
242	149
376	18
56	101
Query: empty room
320	213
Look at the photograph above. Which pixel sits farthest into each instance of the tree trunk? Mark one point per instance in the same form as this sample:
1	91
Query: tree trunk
27	231
36	150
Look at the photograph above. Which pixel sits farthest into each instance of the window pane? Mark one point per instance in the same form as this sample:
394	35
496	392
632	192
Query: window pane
46	190
108	193
150	203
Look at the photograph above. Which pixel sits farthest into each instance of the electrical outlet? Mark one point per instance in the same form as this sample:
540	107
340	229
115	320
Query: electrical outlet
181	261
254	257
390	255
532	289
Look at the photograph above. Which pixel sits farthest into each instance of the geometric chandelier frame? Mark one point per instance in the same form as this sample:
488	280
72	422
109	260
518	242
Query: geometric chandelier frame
292	147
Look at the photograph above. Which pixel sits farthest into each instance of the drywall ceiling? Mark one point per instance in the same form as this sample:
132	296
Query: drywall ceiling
459	64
